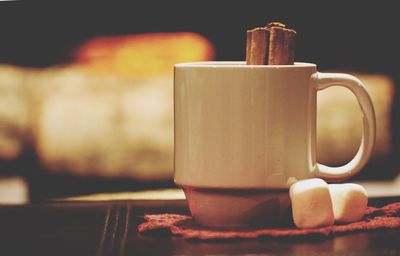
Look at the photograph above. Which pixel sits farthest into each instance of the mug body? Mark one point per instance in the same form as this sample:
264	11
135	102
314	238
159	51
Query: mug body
243	126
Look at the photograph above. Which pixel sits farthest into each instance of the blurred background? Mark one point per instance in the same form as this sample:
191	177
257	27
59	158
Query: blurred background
86	91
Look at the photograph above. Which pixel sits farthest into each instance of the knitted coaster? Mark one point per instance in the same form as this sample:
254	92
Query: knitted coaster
182	225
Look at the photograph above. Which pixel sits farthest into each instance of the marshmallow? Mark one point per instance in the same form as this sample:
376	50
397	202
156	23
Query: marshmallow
311	204
349	202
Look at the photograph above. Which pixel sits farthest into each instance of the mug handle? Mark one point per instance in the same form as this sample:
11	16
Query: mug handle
325	80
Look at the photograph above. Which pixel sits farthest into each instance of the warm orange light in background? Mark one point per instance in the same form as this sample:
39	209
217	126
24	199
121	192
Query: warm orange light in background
143	54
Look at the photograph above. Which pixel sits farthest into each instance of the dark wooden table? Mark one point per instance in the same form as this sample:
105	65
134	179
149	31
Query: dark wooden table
109	228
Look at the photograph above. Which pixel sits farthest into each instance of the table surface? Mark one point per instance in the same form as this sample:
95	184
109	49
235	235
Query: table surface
110	228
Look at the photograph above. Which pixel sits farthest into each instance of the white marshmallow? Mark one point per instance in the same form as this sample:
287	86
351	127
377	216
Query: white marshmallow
311	203
349	202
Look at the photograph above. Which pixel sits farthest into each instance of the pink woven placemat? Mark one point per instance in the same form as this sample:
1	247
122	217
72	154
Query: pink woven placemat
182	225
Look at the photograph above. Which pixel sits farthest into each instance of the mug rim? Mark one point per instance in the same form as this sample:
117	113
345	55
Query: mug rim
240	64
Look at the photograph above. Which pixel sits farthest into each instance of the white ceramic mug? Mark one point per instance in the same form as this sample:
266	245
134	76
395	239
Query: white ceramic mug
245	127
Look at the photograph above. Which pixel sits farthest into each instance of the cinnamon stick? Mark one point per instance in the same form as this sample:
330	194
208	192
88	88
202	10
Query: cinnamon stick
273	44
281	47
258	46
